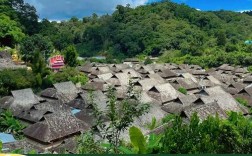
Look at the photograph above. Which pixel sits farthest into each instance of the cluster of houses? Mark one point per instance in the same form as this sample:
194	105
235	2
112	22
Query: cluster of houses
56	115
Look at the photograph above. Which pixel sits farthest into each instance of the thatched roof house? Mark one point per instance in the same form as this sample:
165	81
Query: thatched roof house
66	91
163	92
23	100
203	111
54	128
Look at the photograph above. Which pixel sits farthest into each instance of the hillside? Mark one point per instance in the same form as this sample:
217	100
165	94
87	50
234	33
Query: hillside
175	32
166	27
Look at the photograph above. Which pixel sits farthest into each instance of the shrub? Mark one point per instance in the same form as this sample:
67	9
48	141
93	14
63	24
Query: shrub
242	101
182	90
148	61
68	74
250	68
213	135
17	79
87	144
9	124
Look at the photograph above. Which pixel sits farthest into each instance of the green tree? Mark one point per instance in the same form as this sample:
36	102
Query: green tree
71	56
120	115
221	38
31	44
39	65
10	33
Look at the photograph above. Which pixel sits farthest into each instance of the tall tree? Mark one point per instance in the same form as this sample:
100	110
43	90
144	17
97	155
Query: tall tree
221	38
34	43
71	56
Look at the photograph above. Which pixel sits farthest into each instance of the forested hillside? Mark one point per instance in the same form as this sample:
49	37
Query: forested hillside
175	32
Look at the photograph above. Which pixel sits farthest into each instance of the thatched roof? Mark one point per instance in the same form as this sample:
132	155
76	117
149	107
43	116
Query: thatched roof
33	115
114	81
66	91
174	107
248	79
23	100
147	84
5	55
94	86
99	99
6	101
132	73
100	70
224	99
214	80
87	68
87	116
163	92
123	78
49	93
203	111
156	77
145	70
226	67
167	73
77	103
198	72
55	127
105	77
121	92
187	83
117	67
189	76
241	70
55	107
234	88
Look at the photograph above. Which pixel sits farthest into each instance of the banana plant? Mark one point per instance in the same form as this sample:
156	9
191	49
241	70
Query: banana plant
141	144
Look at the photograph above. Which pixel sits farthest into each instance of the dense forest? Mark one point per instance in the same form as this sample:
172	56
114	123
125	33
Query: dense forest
173	31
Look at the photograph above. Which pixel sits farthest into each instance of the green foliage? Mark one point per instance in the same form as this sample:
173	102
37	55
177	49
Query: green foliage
242	101
137	140
87	144
36	43
9	124
182	90
16	79
67	74
153	124
213	135
39	65
141	144
250	68
10	33
221	38
148	61
71	56
168	118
